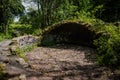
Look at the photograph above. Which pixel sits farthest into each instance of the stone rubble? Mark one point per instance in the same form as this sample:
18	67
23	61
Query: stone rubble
60	62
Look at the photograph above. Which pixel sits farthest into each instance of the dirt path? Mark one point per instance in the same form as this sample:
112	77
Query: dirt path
64	63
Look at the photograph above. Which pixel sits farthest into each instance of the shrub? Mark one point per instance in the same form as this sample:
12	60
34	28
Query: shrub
4	36
108	46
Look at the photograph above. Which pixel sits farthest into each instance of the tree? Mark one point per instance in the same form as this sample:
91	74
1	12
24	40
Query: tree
110	8
50	11
9	9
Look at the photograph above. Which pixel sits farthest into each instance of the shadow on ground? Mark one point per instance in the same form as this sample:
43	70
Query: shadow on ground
63	62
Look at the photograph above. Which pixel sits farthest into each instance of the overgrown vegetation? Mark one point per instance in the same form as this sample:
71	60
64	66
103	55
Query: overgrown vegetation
108	46
21	51
17	29
2	74
101	15
3	36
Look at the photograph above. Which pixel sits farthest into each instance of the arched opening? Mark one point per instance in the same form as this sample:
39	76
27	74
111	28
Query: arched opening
71	33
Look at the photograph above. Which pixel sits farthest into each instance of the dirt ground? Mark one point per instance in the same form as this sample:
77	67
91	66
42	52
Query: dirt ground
60	62
65	62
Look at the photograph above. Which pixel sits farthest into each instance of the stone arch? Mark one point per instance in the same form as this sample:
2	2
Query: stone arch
69	32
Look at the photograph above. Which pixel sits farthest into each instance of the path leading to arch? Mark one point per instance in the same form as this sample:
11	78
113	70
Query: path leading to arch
64	63
60	62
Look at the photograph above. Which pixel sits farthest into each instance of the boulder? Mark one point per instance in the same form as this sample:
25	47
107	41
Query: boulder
5	43
4	59
22	62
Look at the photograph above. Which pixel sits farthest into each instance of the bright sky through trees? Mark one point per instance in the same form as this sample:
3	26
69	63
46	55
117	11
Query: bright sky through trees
28	5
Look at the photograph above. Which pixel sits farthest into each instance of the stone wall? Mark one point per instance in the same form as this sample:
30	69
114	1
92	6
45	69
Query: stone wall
19	42
70	33
24	41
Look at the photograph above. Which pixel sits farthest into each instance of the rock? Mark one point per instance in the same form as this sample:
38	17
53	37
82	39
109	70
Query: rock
4	59
13	71
48	78
23	41
22	77
5	53
15	78
22	62
96	74
33	78
4	47
0	50
5	43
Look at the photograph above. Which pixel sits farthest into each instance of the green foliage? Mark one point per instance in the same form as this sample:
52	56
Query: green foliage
66	11
96	24
9	9
110	10
108	46
28	48
49	12
17	29
20	29
48	43
21	51
4	36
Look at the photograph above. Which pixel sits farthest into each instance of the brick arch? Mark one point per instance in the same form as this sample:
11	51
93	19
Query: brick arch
70	32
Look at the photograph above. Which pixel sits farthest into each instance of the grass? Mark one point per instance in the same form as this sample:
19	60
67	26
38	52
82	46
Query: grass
21	51
25	29
4	36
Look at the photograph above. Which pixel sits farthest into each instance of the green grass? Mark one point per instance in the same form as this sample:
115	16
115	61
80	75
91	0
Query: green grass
25	29
4	36
21	51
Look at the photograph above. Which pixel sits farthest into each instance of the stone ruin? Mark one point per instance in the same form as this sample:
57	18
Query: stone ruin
24	41
18	42
79	33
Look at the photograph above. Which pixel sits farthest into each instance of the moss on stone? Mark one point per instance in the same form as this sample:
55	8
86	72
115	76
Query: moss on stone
70	31
2	74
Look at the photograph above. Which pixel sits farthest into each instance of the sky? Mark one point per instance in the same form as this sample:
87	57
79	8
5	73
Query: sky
28	5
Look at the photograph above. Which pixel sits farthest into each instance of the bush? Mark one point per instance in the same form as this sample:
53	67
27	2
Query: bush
108	46
17	29
4	36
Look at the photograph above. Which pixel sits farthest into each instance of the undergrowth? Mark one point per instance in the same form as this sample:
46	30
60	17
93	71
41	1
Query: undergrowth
108	46
107	43
21	29
21	51
16	30
5	36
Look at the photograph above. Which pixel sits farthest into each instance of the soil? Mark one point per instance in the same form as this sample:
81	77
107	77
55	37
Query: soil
65	62
60	62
